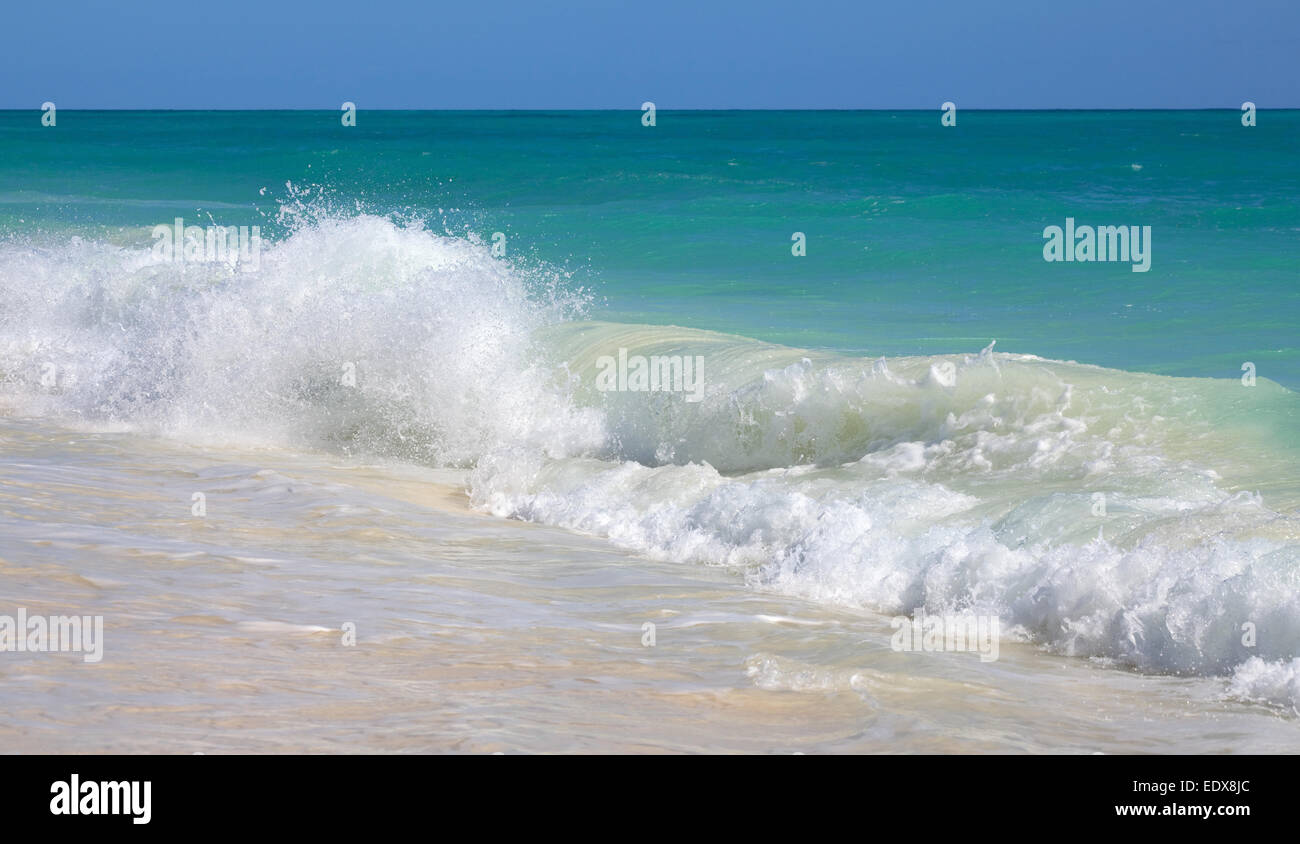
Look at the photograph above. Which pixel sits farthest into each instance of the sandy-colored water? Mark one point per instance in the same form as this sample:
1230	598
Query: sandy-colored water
224	632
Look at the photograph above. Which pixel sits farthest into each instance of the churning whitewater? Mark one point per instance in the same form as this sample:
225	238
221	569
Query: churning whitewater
1142	520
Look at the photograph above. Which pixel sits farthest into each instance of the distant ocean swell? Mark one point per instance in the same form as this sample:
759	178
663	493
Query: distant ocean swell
1144	520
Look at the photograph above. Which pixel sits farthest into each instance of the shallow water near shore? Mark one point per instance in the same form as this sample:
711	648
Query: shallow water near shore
223	633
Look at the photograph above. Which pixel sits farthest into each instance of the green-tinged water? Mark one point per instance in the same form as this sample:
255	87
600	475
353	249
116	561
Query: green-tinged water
920	238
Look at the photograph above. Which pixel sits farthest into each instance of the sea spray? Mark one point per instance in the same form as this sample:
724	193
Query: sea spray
947	484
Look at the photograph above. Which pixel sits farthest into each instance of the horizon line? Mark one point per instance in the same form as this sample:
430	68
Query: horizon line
658	108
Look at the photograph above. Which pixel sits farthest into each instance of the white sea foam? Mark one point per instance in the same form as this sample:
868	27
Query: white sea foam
355	332
948	483
1276	682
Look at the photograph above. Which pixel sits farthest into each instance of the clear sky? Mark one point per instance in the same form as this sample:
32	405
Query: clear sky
677	53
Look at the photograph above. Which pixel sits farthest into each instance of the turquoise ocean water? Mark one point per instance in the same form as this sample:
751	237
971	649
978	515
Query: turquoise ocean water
921	239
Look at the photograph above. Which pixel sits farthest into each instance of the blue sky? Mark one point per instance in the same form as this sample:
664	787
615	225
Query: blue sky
695	54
